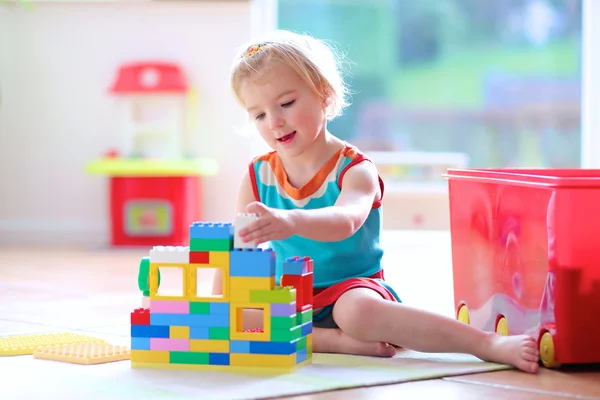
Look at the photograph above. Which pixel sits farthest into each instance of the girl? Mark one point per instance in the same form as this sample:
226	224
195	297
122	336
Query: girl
318	196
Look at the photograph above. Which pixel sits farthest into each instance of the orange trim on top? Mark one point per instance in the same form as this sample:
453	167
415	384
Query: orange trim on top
314	183
253	180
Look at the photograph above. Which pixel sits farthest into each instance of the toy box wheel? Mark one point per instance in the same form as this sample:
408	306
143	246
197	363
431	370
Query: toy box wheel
547	351
463	314
502	326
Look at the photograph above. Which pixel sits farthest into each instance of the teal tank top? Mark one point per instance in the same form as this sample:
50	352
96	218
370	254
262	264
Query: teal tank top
355	257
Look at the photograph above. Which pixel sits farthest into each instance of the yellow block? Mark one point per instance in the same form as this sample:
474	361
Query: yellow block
209	346
262	360
236	322
252	370
309	345
240	296
154	287
193	284
218	259
179	332
150	356
251	283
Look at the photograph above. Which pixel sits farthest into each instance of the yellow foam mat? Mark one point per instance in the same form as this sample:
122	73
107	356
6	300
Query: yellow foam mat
84	353
27	344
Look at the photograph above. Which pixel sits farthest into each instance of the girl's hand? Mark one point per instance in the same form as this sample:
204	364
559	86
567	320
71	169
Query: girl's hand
272	224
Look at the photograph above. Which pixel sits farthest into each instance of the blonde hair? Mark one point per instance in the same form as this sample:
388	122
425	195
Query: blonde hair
317	63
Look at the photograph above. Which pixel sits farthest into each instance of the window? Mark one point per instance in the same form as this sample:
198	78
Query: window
499	82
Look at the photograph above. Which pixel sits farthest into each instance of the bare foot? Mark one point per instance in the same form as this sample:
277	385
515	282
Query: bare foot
520	351
336	341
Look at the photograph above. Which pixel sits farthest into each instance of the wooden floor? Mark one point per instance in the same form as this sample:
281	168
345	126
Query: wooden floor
45	289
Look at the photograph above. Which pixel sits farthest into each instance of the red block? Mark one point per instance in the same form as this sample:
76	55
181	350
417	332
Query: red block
304	289
199	257
141	316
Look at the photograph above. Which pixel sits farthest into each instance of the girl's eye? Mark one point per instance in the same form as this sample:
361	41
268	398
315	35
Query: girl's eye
289	103
260	116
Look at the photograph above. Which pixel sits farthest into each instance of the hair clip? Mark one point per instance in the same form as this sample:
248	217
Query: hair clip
254	49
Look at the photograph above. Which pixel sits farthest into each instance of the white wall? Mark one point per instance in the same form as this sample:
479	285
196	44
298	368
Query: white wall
590	117
56	62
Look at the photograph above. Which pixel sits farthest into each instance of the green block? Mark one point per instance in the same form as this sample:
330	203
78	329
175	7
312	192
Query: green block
186	357
301	343
278	295
144	276
218	333
199	307
283	322
286	335
211	244
304	317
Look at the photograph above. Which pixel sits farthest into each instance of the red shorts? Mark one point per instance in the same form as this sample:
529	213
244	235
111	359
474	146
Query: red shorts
327	296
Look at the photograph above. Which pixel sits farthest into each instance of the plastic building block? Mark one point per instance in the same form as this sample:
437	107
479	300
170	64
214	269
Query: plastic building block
140	316
205	331
170	255
241	221
304	289
199	257
84	353
252	262
297	266
211	244
27	344
211	230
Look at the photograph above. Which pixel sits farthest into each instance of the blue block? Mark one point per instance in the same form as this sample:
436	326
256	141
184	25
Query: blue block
140	343
301	356
239	346
201	320
307	328
252	263
198	332
219	308
211	230
150	331
218	358
272	347
295	266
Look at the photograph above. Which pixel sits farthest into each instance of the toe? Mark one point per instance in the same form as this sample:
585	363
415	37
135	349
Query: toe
534	367
530	357
385	350
531	350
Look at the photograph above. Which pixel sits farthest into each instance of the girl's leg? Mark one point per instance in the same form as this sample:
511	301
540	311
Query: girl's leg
328	340
362	314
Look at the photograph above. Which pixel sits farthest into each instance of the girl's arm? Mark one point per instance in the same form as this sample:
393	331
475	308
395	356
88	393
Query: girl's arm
360	189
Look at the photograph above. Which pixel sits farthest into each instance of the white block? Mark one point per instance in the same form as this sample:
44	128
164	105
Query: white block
242	220
170	255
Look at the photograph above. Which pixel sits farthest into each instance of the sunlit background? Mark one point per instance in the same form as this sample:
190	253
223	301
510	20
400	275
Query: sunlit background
436	84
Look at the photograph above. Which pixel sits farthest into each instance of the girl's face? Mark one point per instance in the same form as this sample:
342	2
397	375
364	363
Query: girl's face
287	113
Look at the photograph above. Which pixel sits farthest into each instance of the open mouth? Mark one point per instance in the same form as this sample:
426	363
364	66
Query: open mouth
287	138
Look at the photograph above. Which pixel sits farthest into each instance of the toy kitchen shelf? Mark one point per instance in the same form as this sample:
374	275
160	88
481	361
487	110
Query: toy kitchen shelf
155	182
416	194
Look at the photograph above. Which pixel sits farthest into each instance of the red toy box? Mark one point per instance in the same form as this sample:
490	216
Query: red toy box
526	258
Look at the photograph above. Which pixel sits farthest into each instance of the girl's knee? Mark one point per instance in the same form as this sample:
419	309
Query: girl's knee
355	307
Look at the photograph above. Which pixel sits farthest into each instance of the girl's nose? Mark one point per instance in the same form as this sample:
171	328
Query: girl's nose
276	122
